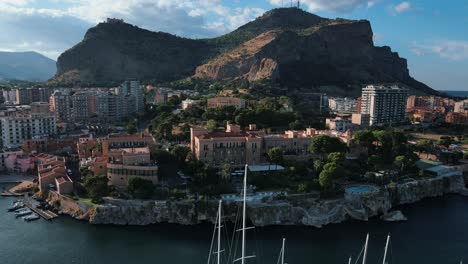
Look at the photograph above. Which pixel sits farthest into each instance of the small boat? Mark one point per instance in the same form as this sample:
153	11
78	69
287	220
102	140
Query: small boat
16	206
31	217
23	212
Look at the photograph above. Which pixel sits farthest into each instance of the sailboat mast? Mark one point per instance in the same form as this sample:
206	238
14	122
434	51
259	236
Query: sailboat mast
219	234
282	251
364	258
243	215
386	250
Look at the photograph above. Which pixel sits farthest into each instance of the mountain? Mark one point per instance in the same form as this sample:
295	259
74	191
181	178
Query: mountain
26	66
289	45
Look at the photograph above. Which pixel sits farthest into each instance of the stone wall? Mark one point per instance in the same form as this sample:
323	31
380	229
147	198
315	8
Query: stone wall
310	212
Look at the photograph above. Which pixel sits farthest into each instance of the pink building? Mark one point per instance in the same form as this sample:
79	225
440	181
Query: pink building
19	162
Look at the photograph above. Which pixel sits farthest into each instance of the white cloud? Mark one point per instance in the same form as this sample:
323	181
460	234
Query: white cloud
335	6
400	8
448	49
63	23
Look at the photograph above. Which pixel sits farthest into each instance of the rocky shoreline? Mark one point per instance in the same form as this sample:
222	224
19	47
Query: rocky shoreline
307	211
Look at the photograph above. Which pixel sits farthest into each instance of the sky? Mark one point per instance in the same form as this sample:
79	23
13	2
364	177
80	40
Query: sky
431	34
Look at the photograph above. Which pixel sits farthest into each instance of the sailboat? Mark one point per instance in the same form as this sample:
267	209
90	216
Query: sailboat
282	253
244	228
218	232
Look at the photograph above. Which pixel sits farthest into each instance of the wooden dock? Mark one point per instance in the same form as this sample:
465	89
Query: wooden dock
46	214
10	194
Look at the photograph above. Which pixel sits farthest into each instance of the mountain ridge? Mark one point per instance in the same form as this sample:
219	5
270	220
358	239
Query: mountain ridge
26	66
289	45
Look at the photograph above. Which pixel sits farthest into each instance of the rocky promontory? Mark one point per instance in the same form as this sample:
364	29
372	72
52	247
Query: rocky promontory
307	211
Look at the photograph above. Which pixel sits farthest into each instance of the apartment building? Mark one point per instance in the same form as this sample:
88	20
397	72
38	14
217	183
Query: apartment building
21	123
339	124
133	89
26	96
120	157
51	172
238	103
342	104
386	105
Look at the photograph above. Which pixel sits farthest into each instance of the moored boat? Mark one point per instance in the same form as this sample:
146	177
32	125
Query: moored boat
31	217
23	212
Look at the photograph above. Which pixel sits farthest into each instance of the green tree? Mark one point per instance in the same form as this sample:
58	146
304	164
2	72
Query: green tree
275	155
364	138
211	124
323	144
336	157
330	172
180	153
318	165
424	145
96	187
131	128
140	188
374	162
445	141
226	171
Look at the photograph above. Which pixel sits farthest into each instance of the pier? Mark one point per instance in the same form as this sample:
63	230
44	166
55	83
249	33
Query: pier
46	214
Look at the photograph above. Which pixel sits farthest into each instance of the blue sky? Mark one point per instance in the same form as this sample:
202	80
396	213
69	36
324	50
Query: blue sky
431	34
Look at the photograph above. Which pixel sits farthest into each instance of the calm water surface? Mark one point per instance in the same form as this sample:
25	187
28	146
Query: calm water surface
437	232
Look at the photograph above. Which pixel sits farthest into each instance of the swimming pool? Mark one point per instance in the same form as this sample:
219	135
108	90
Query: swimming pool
358	189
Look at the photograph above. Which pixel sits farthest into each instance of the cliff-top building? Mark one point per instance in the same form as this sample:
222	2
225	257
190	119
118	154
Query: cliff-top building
237	147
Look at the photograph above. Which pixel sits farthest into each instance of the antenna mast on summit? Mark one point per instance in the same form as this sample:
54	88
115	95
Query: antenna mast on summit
298	4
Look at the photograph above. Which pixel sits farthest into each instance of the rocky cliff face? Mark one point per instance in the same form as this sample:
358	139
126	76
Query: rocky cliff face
310	212
334	52
289	45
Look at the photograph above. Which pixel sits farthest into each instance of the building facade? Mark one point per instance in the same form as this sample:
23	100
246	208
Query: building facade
21	123
237	147
386	105
238	103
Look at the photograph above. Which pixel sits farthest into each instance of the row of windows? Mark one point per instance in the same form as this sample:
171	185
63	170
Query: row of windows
134	172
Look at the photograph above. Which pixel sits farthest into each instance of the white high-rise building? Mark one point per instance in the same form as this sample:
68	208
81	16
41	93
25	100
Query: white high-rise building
385	105
19	123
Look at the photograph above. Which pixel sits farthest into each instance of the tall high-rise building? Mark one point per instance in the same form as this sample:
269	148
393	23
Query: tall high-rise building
385	105
61	104
132	88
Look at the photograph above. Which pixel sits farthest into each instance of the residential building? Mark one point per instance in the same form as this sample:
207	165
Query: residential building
361	120
5	164
132	88
20	123
120	157
342	104
457	118
187	103
461	107
338	124
52	174
26	96
61	104
9	97
386	105
238	103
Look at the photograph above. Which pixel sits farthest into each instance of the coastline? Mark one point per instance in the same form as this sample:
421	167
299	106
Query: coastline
298	212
